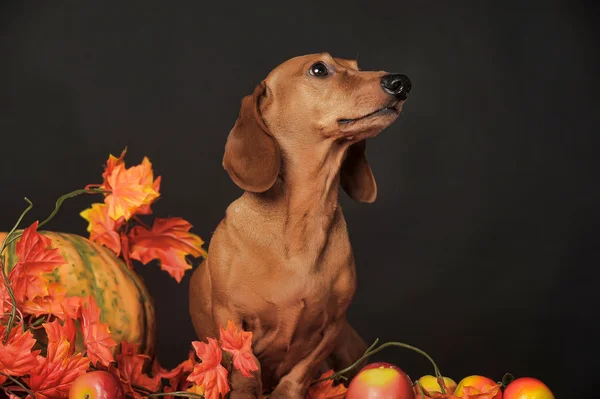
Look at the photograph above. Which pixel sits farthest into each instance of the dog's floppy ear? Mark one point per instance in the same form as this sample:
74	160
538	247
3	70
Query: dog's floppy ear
252	156
356	175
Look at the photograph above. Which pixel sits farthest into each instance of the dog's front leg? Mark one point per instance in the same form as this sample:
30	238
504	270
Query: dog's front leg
348	349
296	383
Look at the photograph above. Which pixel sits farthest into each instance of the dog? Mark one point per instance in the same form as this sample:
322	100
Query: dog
280	263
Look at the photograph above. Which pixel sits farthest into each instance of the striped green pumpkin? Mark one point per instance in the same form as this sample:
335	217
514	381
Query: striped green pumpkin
120	293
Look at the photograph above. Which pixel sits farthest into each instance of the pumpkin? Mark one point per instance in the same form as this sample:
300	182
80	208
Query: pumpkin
91	269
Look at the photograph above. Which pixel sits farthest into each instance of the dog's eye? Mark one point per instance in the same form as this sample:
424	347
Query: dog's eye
319	69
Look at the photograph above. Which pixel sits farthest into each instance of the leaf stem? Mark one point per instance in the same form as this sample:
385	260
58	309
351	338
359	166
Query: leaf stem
64	197
18	383
7	282
373	350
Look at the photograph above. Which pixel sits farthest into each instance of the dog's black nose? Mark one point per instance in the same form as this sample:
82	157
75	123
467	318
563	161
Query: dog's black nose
396	84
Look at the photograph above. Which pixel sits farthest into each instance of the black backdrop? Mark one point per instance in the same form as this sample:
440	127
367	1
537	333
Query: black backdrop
481	248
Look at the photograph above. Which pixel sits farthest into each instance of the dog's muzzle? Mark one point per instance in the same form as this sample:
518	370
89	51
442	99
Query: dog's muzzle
397	85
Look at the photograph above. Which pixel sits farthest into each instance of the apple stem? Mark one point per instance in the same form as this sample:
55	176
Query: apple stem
373	350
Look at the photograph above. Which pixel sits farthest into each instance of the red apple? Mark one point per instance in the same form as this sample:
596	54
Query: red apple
527	388
96	385
380	381
481	383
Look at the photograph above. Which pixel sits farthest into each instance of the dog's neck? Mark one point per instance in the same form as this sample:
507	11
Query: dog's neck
307	196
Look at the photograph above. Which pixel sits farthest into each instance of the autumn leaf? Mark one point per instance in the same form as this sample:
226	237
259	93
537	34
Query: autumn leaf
129	189
470	392
326	389
131	367
178	375
147	179
210	373
239	344
35	259
111	163
56	331
102	228
56	372
185	367
96	335
16	355
170	241
55	303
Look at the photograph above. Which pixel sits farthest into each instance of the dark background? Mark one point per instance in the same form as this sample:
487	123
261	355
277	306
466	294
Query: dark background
481	248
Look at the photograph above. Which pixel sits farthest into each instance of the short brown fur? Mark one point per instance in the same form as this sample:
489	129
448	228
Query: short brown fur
280	263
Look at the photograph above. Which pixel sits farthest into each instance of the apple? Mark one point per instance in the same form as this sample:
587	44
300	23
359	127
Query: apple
481	383
527	388
431	385
380	381
96	385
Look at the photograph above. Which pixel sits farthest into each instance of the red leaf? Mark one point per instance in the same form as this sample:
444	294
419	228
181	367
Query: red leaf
96	335
56	332
326	389
239	344
16	356
55	303
178	376
36	258
170	242
102	228
131	367
56	372
210	373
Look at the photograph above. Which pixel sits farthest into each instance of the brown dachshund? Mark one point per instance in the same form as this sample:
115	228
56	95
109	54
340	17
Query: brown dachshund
280	264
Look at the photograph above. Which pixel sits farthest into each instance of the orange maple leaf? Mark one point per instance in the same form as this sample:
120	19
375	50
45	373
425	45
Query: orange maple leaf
326	389
129	189
131	365
210	373
470	392
239	344
102	228
96	335
147	177
55	303
16	356
56	372
35	259
170	241
111	163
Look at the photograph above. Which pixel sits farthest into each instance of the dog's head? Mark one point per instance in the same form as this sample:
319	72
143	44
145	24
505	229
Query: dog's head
305	102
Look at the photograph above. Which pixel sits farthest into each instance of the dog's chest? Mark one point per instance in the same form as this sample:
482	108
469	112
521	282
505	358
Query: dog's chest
293	316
